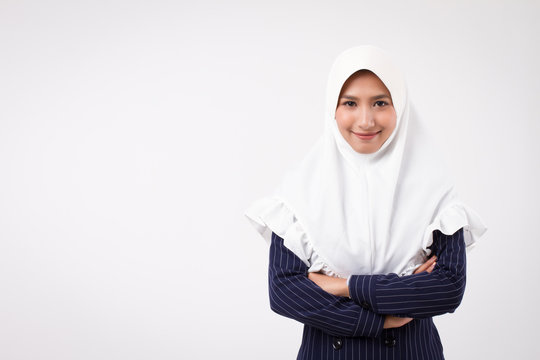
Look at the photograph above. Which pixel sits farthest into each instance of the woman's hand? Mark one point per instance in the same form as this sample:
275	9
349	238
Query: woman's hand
428	266
395	322
332	285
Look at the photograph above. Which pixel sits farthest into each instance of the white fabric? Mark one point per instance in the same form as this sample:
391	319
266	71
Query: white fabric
346	213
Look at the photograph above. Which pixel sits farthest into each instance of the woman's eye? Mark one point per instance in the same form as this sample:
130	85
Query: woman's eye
349	103
380	103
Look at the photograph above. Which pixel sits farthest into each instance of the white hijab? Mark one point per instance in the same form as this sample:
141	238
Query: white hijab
342	212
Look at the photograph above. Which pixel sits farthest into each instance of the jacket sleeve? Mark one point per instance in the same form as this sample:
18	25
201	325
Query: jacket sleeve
419	295
295	296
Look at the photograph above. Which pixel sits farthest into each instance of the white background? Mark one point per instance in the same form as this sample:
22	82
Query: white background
133	135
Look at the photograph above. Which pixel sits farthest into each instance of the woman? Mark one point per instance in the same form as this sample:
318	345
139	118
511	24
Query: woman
352	228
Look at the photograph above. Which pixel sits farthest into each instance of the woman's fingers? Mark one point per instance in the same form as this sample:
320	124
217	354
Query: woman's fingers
428	266
394	322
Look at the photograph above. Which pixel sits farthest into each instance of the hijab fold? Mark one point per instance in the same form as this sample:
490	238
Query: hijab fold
342	212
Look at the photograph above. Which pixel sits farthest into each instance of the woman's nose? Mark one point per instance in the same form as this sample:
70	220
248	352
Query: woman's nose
366	119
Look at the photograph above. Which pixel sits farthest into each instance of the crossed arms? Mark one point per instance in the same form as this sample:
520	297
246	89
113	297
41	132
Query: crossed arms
322	301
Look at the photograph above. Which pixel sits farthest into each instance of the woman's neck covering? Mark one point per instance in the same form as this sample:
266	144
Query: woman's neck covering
345	213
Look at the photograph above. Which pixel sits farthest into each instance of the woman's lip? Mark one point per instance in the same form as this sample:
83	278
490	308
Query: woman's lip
366	136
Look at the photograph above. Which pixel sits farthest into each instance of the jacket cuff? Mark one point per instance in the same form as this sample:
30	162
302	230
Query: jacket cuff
369	324
362	291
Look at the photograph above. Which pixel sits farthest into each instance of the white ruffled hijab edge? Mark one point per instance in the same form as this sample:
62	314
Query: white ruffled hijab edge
273	214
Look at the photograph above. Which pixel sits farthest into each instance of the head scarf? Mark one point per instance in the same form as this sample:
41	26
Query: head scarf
342	212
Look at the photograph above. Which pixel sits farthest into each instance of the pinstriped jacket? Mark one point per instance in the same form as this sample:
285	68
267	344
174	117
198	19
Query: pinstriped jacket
337	327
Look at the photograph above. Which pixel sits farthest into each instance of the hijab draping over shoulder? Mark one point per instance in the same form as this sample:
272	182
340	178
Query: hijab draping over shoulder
342	212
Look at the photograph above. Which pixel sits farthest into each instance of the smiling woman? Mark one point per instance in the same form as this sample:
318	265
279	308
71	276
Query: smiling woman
367	236
365	113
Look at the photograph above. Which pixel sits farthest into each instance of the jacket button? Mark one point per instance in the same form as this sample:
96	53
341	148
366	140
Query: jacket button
337	344
365	305
390	341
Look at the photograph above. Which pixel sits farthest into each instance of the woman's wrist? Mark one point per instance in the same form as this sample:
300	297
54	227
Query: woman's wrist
333	285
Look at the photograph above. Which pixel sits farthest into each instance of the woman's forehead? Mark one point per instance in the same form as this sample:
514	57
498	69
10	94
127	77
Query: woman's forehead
365	78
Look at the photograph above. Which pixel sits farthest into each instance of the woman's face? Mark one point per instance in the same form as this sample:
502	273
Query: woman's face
365	113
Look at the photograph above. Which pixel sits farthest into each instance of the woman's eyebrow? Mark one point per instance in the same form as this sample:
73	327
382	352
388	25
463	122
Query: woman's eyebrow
376	97
381	96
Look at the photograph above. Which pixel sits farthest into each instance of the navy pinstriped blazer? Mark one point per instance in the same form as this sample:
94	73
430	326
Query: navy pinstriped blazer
337	327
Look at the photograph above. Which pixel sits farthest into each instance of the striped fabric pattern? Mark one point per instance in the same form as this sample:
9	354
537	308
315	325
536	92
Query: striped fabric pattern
337	327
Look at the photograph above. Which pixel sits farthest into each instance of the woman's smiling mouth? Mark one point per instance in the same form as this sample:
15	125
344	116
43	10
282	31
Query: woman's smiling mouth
366	136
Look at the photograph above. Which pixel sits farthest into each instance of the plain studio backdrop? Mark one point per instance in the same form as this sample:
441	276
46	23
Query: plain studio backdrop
133	135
